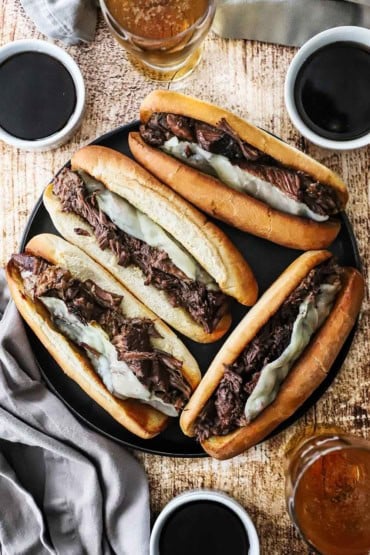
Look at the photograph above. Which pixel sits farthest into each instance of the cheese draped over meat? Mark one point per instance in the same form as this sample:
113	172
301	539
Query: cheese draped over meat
312	313
116	375
237	178
137	224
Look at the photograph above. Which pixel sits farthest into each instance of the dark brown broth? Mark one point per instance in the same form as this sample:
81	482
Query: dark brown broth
332	91
37	95
203	528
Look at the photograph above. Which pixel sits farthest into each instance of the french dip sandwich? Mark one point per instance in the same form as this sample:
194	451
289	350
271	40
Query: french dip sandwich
276	357
101	336
238	173
160	247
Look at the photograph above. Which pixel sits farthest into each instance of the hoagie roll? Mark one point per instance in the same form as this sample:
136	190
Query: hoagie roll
276	357
237	172
166	252
101	336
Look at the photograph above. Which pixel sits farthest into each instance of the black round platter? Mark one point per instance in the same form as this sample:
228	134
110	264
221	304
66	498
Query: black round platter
267	261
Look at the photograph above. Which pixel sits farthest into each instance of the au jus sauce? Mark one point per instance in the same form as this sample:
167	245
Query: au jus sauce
332	91
203	528
37	95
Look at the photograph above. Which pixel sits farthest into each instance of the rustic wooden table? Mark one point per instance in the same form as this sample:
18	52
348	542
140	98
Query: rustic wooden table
246	77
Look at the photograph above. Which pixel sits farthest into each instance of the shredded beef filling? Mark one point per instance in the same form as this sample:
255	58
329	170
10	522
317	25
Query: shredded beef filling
205	306
224	411
158	371
298	185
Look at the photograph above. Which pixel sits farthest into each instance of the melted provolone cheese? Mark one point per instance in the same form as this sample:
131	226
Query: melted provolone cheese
137	224
237	178
310	317
116	375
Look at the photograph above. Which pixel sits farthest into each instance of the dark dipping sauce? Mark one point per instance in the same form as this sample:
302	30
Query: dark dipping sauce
203	528
37	95
332	91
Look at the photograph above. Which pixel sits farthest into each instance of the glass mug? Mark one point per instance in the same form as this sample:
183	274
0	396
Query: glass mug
165	36
328	493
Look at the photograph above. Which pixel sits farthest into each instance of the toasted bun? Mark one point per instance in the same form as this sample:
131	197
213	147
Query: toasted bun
177	103
201	238
137	417
306	375
233	207
131	276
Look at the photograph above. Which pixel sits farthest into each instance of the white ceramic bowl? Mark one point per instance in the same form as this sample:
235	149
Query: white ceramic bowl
352	34
205	495
61	136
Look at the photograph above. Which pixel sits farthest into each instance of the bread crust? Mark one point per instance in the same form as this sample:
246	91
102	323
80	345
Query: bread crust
201	238
138	418
306	375
233	207
130	277
178	103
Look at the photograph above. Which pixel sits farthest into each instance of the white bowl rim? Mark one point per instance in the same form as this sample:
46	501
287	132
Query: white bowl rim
351	33
205	495
36	45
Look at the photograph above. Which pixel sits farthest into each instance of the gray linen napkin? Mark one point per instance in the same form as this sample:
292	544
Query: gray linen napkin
70	21
289	22
63	488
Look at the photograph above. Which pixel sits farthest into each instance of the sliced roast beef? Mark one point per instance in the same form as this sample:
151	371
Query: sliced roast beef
205	306
180	126
296	185
229	398
224	411
247	152
31	266
80	231
158	371
215	140
106	298
222	139
287	181
158	129
318	197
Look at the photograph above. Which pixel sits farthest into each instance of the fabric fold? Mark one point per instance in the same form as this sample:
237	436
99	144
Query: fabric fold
70	21
63	487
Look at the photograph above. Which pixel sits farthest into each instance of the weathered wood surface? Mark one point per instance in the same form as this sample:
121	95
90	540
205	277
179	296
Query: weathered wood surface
248	78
